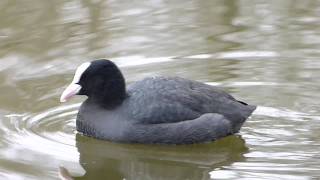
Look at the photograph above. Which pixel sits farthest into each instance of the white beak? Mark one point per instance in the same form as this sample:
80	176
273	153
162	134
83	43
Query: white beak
69	92
74	87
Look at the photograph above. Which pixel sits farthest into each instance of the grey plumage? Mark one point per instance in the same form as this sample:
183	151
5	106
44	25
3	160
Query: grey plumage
166	110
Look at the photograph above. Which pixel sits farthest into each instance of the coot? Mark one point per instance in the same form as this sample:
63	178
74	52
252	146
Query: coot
162	110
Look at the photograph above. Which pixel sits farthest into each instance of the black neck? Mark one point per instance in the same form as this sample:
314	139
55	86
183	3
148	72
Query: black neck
112	94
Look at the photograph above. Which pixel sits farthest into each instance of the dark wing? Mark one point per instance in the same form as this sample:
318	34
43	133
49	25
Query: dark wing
167	100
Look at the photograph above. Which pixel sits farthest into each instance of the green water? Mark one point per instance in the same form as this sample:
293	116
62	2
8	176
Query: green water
262	52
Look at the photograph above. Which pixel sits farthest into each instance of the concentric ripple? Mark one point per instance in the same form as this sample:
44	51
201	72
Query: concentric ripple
56	124
51	132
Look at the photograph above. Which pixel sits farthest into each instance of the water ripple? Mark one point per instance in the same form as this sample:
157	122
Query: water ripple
50	132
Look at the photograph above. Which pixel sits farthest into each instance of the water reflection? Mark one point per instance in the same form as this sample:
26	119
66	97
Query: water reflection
105	160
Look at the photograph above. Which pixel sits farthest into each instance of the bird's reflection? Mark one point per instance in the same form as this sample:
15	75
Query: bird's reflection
106	160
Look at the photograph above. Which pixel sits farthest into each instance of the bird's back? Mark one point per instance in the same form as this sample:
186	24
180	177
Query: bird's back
167	100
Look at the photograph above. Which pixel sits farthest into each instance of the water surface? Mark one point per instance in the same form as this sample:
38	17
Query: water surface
263	52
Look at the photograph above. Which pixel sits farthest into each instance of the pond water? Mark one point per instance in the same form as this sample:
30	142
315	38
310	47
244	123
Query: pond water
262	52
